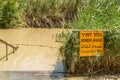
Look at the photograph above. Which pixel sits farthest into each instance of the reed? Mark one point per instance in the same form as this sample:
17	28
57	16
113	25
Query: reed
37	13
94	15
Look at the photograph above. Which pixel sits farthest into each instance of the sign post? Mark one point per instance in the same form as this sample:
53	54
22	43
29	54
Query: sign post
91	43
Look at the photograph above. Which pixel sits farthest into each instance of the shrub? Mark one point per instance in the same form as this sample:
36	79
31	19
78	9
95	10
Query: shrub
107	64
37	13
9	14
95	15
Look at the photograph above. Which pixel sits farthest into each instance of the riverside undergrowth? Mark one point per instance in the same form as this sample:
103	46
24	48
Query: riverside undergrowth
94	15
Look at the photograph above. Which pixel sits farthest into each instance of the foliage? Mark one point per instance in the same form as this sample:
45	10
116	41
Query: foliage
95	15
98	14
50	13
107	64
37	13
10	13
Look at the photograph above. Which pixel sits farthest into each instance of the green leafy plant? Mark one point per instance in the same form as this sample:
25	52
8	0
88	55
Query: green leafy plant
37	13
95	15
9	14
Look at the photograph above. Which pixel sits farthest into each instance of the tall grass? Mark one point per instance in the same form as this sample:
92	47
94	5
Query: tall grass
107	64
38	13
98	14
50	13
95	15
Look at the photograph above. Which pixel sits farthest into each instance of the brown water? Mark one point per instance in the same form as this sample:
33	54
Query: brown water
29	57
37	59
40	52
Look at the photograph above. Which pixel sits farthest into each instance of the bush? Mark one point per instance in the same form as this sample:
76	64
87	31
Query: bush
107	64
10	14
37	13
50	13
95	15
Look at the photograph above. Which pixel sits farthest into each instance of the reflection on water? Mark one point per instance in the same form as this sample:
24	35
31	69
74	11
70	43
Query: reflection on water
45	75
57	74
28	75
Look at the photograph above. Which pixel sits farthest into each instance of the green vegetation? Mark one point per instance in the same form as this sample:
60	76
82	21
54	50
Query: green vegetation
98	14
95	15
37	13
11	13
107	64
74	14
80	14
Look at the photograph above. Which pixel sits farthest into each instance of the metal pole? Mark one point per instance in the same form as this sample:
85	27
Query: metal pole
6	52
13	50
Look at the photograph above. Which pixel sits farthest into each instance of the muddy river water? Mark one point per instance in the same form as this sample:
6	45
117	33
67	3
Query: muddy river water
37	56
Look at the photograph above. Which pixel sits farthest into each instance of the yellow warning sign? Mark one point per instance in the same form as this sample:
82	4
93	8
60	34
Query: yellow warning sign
91	43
